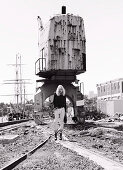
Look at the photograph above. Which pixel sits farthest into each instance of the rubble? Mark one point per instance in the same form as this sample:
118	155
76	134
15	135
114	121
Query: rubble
100	137
27	139
92	136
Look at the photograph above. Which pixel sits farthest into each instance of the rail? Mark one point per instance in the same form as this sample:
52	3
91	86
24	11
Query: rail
16	162
13	122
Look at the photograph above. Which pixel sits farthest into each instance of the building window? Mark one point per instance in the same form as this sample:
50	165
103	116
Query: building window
108	88
101	89
111	86
114	86
118	85
98	90
104	88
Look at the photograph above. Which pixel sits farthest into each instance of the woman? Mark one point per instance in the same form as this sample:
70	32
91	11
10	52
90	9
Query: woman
59	110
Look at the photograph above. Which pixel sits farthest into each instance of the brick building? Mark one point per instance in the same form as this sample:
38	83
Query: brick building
110	96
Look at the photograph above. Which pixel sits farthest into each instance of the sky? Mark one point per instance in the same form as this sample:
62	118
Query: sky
103	20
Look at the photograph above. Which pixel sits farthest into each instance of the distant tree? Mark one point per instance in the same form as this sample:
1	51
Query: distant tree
90	104
1	105
29	107
1	112
3	109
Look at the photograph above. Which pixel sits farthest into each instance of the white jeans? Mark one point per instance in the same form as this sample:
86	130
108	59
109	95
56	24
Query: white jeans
59	119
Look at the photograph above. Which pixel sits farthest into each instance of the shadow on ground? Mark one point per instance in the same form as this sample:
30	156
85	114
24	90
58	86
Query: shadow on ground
119	128
88	125
84	126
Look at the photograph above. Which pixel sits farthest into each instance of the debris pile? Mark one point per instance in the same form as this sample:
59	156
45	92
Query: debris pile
116	117
104	137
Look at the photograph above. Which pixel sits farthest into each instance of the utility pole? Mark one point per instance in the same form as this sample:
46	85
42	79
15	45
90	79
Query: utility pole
24	97
17	88
20	82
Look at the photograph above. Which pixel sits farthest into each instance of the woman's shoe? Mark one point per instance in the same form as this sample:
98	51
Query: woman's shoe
60	136
55	136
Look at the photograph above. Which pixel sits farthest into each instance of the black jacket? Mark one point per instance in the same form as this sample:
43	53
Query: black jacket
59	101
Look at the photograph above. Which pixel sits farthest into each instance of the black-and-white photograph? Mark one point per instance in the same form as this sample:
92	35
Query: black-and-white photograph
61	84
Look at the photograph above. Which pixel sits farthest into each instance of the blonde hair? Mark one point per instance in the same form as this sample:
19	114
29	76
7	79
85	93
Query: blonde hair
57	90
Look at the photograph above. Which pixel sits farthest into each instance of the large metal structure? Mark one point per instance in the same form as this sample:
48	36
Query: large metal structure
62	56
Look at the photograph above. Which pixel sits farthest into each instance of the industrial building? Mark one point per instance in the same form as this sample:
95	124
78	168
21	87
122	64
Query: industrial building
110	97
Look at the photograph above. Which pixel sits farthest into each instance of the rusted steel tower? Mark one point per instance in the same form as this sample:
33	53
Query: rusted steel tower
62	56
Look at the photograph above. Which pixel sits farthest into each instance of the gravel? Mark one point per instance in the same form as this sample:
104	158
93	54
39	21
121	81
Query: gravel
28	139
106	141
53	156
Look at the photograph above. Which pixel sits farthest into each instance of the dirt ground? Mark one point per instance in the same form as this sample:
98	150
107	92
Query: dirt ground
53	156
29	137
106	139
102	137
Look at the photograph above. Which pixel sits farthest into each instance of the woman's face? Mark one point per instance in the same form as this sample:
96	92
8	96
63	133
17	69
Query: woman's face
60	90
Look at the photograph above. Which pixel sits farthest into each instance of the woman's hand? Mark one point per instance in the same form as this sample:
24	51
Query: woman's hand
54	109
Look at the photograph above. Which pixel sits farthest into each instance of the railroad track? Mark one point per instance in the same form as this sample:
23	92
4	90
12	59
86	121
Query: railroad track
13	122
25	145
16	162
109	164
11	127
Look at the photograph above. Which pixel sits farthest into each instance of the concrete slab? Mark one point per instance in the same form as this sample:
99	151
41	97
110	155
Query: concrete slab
4	139
106	163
